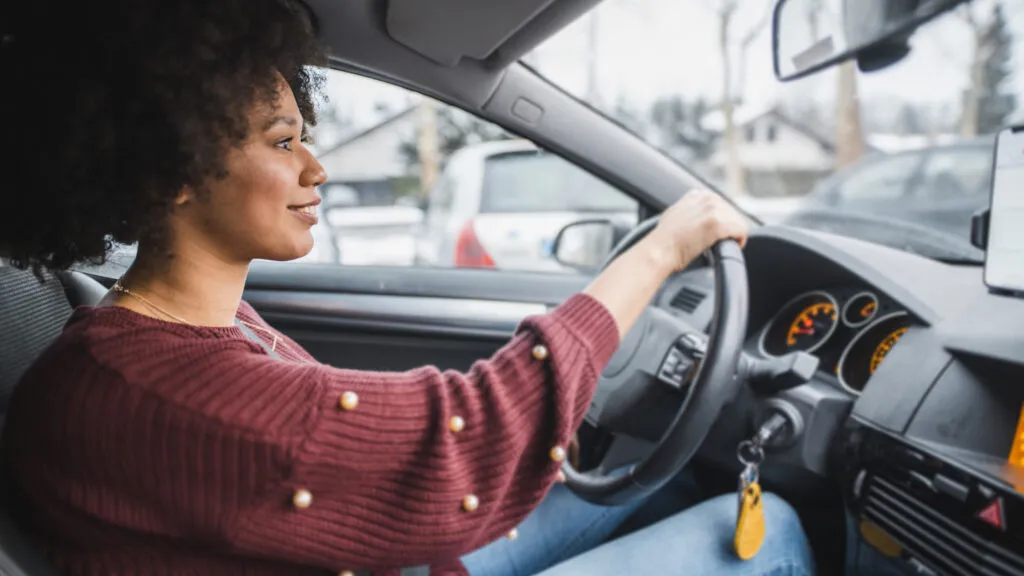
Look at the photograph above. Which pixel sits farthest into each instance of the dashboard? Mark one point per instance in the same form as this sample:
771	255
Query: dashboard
917	407
849	328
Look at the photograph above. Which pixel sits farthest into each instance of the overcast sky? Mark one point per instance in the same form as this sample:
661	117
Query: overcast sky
647	49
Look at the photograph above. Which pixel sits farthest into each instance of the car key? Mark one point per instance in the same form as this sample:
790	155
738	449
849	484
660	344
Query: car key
750	527
750	516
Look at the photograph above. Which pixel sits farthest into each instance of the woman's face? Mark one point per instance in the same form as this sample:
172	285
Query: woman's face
267	204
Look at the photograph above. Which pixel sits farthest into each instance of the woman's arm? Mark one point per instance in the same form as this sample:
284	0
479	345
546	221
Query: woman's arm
429	465
347	469
416	467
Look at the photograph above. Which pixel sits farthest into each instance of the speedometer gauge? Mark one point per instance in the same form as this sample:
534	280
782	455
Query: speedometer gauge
804	324
884	346
868	350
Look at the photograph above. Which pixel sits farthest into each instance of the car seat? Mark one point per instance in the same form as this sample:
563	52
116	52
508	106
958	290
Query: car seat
32	314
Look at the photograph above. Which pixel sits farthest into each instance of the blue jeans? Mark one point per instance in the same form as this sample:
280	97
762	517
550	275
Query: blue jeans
566	535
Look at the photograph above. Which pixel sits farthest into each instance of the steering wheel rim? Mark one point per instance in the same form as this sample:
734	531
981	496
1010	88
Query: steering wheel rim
716	383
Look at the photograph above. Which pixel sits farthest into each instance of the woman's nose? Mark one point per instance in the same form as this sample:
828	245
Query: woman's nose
314	174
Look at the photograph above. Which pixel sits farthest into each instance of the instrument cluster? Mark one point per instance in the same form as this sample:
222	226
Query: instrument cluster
850	331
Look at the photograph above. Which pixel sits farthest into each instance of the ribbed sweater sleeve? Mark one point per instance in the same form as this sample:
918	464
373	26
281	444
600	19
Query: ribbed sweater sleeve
245	441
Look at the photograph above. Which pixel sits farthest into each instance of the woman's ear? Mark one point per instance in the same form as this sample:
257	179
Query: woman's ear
185	195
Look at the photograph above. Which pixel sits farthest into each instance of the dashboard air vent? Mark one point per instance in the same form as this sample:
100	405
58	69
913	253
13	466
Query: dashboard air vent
687	299
939	542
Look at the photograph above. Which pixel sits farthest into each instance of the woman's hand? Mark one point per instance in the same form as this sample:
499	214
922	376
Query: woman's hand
692	225
687	228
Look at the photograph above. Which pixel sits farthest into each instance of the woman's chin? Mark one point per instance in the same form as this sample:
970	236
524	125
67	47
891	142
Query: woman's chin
293	251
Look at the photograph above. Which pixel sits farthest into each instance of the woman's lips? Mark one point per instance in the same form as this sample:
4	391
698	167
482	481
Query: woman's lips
307	212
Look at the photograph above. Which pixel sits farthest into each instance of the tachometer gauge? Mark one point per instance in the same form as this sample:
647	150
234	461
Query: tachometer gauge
804	324
860	309
869	348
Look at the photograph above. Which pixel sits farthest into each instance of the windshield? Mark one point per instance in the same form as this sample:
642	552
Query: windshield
540	182
905	150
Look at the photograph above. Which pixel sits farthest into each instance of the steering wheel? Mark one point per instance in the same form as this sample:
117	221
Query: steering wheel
665	362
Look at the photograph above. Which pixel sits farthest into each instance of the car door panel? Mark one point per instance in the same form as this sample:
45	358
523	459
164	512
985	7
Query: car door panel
400	318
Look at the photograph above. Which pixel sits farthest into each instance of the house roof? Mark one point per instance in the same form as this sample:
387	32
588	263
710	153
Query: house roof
744	115
354	138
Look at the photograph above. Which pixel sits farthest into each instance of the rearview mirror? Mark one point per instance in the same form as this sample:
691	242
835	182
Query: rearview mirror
585	244
811	35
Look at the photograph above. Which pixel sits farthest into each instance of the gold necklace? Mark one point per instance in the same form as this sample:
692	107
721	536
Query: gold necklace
122	289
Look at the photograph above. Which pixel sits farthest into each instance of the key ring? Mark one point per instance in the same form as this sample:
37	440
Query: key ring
749	452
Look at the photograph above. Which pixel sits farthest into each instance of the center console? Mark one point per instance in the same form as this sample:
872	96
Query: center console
942	492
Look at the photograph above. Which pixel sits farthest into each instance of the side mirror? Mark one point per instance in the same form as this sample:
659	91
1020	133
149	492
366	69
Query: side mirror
585	244
811	35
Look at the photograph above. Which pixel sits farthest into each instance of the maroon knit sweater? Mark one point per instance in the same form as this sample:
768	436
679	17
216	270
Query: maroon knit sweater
140	446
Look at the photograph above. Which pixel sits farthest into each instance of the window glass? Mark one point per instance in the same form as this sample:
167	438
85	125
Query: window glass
957	173
414	182
541	182
882	179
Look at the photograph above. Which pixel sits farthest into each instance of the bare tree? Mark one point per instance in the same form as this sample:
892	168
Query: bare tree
427	145
984	106
725	10
849	132
849	135
976	70
746	41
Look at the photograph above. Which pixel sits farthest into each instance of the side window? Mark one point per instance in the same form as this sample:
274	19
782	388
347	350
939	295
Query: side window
956	173
883	179
414	182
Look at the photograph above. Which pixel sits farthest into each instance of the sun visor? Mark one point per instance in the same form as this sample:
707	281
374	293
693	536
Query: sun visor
498	31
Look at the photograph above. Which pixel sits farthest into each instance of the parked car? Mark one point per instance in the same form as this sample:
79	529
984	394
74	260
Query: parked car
375	235
338	195
939	187
501	204
365	233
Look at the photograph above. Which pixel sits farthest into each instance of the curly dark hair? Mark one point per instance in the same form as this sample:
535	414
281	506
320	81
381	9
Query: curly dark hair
117	105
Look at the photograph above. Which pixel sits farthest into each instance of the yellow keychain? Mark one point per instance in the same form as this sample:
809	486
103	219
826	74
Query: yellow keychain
750	518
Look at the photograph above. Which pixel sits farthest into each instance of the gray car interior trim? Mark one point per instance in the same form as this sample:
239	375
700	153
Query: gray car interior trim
453	283
447	31
556	17
588	138
456	313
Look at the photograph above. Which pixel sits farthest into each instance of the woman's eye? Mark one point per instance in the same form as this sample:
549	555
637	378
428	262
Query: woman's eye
285	144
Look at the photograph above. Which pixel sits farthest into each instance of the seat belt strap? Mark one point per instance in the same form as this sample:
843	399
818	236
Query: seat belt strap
252	336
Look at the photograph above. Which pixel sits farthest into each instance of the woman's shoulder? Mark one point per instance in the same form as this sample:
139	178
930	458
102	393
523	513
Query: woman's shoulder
106	330
149	352
119	353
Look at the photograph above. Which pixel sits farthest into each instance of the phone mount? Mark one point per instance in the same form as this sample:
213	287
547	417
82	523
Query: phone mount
979	239
979	228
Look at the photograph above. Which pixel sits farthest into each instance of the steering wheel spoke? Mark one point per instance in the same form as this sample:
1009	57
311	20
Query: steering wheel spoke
662	354
666	384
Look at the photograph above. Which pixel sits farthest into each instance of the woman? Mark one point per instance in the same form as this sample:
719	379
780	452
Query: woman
190	436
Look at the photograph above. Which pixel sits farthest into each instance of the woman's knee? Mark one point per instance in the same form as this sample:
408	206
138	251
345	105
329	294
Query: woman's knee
785	549
784	533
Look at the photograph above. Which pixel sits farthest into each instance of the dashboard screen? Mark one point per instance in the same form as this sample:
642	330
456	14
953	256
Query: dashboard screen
1004	257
